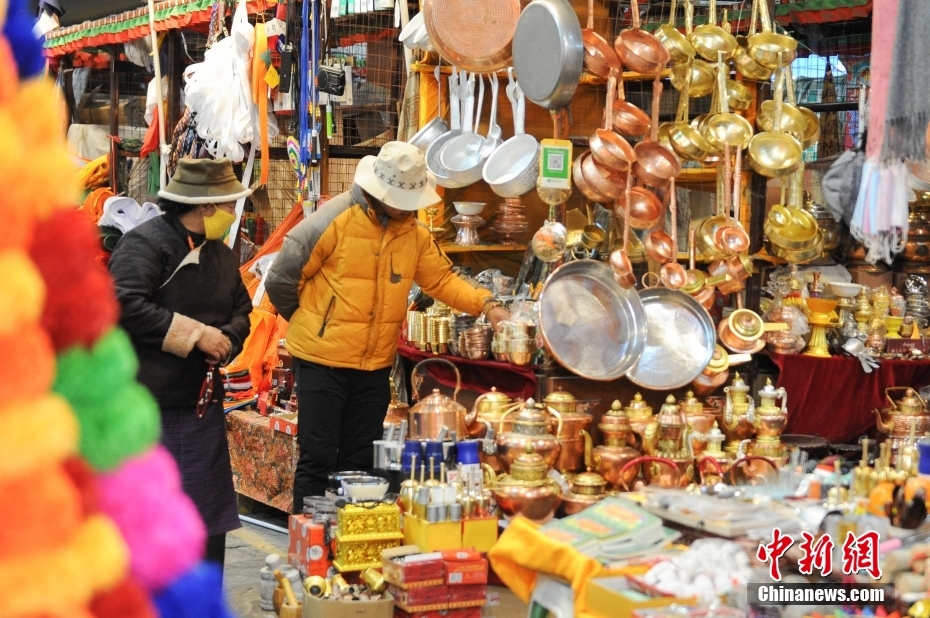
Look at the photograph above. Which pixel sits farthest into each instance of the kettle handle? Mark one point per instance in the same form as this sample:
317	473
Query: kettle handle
558	416
415	383
648	459
500	423
894	404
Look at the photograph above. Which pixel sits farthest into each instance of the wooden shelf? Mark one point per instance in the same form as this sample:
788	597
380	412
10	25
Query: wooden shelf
587	79
454	248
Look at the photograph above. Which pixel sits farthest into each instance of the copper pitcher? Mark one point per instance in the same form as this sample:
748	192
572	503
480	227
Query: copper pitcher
571	457
436	413
490	407
526	490
397	411
531	426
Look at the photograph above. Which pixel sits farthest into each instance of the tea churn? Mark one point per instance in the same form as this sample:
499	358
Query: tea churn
588	487
671	440
610	458
527	490
769	422
827	224
531	425
715	439
640	415
699	421
737	411
895	421
571	458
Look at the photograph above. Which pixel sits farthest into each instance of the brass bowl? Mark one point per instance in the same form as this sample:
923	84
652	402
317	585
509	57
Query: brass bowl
703	78
772	50
710	39
689	143
811	133
792	120
749	68
679	47
739	97
791	228
727	129
774	154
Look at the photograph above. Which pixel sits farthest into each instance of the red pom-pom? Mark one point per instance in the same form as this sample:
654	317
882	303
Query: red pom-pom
128	599
81	303
85	481
28	366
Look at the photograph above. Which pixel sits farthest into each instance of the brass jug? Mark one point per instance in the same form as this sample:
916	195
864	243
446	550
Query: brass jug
531	425
640	416
527	490
436	412
736	412
490	407
895	421
571	457
671	440
769	421
610	458
397	410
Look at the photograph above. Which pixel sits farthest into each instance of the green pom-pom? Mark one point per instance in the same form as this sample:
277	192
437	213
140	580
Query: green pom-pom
93	375
118	417
124	425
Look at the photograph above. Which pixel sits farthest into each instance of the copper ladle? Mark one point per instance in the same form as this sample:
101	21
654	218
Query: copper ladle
672	273
655	164
583	185
608	148
619	260
730	239
640	50
627	119
603	180
599	57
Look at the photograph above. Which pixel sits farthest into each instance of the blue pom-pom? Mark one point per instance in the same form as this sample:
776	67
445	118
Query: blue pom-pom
196	594
27	48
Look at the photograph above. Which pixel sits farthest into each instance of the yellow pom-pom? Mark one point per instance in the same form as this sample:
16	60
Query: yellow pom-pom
50	583
22	293
35	433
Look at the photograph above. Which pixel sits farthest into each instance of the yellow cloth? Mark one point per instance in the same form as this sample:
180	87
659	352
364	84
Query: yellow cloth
517	566
260	93
95	174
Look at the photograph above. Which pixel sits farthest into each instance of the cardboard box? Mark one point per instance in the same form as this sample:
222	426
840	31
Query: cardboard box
307	550
480	533
467	573
466	594
285	423
471	612
419	597
324	608
415	571
617	597
434	536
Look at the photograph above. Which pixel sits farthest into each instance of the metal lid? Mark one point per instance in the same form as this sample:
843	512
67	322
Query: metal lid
531	414
768	391
528	466
616	409
495	396
739	385
720	361
817	210
691	404
560	396
637	404
670	413
746	324
436	402
589	324
910	403
589	483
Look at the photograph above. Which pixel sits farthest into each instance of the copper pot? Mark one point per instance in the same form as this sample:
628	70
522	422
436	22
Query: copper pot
715	475
739	267
608	148
599	57
611	458
583	185
700	424
526	490
645	209
640	50
587	489
661	471
490	407
655	164
628	119
603	180
531	427
574	425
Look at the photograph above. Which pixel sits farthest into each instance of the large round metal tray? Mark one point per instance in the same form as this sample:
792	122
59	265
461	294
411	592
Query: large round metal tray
474	35
548	52
589	324
680	340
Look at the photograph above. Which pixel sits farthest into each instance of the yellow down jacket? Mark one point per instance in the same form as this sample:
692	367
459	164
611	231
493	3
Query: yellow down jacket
342	279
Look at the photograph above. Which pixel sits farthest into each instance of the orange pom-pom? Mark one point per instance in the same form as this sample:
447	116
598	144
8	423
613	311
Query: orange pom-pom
28	366
22	294
28	528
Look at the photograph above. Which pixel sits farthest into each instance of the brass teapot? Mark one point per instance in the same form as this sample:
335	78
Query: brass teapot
769	421
527	490
699	420
571	457
737	411
397	411
610	458
436	413
641	417
531	425
671	440
895	421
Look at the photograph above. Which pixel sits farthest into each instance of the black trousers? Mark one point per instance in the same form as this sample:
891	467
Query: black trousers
340	413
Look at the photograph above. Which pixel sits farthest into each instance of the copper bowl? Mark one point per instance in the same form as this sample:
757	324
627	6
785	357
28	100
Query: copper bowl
611	150
623	269
731	239
536	503
628	119
599	57
603	180
659	246
655	164
583	185
645	209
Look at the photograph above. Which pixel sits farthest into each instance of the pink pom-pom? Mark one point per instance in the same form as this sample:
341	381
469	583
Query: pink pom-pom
161	525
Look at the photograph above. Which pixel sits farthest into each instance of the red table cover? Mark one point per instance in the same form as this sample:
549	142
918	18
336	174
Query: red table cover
477	375
834	398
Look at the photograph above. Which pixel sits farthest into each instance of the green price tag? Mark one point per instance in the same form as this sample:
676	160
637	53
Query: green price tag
555	164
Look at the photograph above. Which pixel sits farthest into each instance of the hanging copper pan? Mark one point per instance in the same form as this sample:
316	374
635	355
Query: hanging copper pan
583	185
627	119
603	180
640	50
599	57
673	274
620	260
474	36
608	148
644	211
655	164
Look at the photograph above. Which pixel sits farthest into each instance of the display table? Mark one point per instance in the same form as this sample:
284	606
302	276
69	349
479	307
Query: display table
477	375
263	460
834	398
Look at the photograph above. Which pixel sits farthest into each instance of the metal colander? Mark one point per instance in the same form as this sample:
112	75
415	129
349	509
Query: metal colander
475	35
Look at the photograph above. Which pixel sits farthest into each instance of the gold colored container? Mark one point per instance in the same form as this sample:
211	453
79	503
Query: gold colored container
699	421
671	441
571	456
490	407
363	534
737	425
610	458
640	416
769	421
397	410
526	490
827	225
895	421
531	425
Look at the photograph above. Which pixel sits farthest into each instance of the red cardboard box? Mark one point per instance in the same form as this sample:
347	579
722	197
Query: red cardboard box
461	594
418	597
307	550
470	612
286	424
461	555
467	572
423	569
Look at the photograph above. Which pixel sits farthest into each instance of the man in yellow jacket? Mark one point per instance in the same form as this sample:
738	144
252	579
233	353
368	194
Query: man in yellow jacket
342	280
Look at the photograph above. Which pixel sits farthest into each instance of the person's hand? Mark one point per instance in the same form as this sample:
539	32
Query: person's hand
214	344
497	315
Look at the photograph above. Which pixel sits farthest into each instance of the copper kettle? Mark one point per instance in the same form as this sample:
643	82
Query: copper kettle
531	425
436	414
397	411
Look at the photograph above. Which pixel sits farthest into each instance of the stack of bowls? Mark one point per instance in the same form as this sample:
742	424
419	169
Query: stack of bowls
475	342
793	234
460	323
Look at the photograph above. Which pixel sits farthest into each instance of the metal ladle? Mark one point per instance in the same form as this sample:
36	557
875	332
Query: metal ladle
655	164
627	119
620	260
710	39
599	57
673	274
774	153
687	141
725	128
640	50
769	49
745	65
493	140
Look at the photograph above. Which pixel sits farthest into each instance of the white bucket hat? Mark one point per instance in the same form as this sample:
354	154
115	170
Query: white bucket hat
398	177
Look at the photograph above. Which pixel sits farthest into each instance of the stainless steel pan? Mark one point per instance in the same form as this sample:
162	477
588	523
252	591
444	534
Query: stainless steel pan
435	127
548	52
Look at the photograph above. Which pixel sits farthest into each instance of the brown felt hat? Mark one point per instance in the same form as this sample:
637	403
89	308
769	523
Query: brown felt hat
204	181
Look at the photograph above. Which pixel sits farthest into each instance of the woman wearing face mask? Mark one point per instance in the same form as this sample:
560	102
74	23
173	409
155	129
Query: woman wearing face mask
187	312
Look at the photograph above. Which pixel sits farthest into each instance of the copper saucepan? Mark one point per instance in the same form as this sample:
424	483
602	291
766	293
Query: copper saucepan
640	50
583	185
640	207
608	148
603	180
655	164
627	119
599	57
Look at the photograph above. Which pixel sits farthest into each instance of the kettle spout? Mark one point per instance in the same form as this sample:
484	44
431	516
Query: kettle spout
883	427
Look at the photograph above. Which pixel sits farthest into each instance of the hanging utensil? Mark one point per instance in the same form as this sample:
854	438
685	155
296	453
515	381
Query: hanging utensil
725	128
791	119
435	127
474	36
620	260
548	52
583	185
458	89
550	241
710	39
493	140
699	73
745	65
640	50
603	180
769	49
655	164
730	239
673	274
687	141
599	57
513	168
627	119
678	46
461	155
775	153
608	148
811	132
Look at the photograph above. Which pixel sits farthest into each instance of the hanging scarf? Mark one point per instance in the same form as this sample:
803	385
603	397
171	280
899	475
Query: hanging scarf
261	60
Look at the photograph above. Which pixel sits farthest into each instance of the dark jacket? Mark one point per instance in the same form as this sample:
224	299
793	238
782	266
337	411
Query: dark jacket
168	293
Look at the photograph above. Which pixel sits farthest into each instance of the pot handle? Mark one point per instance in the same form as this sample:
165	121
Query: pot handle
558	416
714	462
893	403
415	381
748	458
648	459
